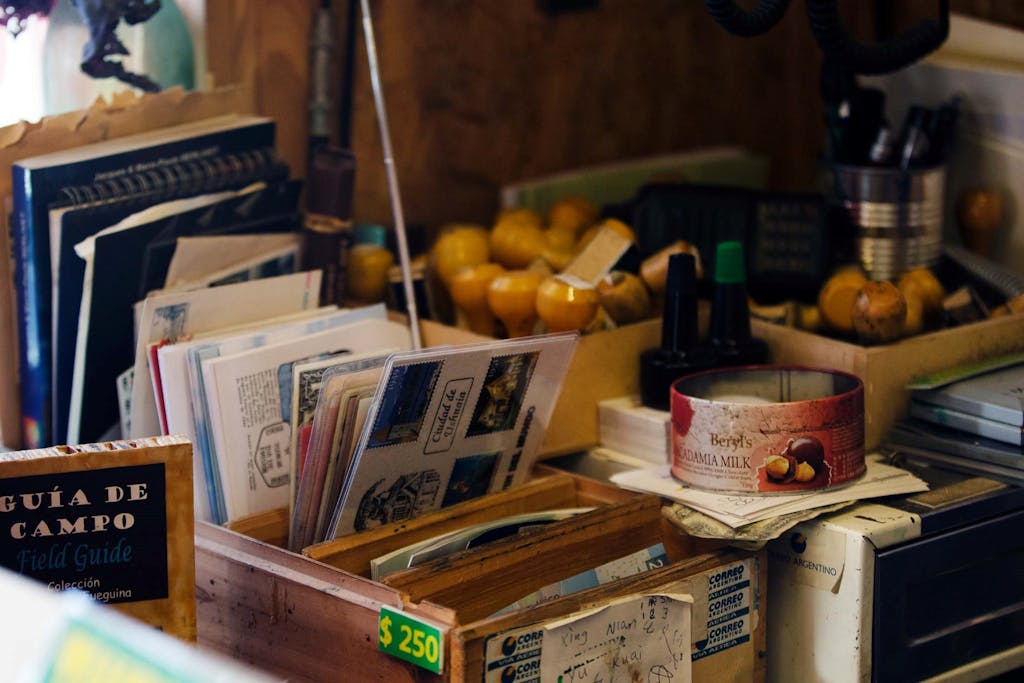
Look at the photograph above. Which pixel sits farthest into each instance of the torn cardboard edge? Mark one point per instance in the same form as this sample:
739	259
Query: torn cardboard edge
125	114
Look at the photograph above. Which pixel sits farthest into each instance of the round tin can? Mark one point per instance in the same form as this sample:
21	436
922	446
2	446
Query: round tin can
767	429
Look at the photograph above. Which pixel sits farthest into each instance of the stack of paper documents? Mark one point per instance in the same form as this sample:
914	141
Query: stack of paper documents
737	510
628	426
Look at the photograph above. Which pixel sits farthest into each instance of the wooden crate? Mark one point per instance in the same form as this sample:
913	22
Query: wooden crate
886	369
291	614
547	492
606	365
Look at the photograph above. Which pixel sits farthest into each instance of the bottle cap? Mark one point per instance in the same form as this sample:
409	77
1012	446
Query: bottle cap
729	265
366	233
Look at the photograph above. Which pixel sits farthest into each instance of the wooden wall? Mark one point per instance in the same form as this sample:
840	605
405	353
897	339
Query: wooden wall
482	92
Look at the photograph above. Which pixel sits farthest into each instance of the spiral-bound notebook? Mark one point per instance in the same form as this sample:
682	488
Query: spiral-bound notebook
81	218
204	156
122	263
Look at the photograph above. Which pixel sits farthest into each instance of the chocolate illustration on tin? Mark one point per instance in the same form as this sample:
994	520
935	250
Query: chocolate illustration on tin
404	404
800	462
505	385
410	495
471	478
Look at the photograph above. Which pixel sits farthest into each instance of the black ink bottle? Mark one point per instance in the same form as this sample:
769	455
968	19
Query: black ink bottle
680	352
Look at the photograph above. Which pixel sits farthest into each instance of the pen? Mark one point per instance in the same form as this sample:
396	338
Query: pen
867	118
882	148
914	141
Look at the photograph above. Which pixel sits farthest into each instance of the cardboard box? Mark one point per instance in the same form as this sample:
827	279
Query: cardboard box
606	365
886	369
291	614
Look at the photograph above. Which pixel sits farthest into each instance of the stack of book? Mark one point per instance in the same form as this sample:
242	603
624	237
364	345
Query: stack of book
969	419
96	228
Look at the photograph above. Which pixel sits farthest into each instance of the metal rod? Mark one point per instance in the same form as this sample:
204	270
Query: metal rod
392	176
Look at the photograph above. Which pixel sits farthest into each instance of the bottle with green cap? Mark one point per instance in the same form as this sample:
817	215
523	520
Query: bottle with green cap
729	334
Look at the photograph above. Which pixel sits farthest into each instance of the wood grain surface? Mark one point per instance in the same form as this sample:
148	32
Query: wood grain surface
487	92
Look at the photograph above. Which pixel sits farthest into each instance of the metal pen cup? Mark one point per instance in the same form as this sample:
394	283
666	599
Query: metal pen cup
892	217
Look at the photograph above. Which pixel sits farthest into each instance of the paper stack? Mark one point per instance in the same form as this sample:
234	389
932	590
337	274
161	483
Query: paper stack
967	419
986	402
738	510
628	426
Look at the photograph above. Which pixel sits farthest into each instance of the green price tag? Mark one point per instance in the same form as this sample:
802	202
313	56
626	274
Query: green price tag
408	638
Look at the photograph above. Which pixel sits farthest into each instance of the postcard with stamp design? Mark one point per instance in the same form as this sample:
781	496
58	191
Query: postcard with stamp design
473	416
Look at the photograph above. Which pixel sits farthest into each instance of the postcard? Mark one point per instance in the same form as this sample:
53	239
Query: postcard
251	442
451	424
355	405
307	382
460	539
172	316
182	390
324	445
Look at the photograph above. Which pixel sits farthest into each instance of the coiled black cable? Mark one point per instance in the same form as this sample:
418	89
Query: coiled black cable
877	58
837	45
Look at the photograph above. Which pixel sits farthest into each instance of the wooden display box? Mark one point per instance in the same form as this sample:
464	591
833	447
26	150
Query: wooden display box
313	621
887	369
606	365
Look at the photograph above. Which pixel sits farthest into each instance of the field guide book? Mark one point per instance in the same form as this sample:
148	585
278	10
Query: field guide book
113	519
450	424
